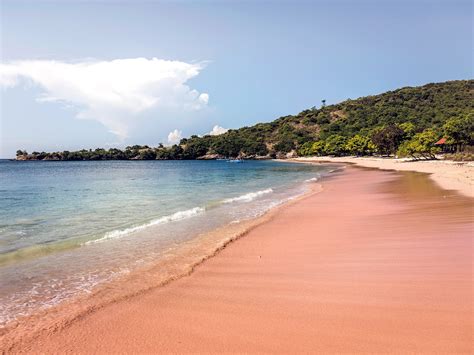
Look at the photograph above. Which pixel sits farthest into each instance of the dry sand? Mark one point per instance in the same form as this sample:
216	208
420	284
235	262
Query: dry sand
449	175
377	262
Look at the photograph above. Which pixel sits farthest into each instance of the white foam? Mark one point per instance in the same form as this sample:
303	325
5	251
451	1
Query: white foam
313	179
248	197
162	220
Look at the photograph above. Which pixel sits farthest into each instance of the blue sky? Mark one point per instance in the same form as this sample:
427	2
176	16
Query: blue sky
230	63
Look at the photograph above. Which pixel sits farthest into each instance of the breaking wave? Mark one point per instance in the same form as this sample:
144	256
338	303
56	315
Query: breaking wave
162	220
248	197
175	217
313	179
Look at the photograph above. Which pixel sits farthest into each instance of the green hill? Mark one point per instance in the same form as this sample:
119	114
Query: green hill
380	124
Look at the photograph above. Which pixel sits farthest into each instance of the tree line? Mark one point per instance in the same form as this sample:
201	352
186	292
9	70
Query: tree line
404	122
402	140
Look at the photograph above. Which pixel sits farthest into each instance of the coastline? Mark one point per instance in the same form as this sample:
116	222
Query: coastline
286	286
177	263
450	175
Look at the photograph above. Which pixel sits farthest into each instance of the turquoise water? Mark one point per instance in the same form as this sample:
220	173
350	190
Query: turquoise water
66	227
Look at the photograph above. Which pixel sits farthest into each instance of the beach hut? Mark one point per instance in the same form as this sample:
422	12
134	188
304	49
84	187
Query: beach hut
444	147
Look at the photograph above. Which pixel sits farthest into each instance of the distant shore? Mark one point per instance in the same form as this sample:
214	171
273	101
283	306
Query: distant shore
451	175
322	275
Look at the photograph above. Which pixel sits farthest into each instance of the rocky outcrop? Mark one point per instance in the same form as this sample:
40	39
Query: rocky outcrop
210	157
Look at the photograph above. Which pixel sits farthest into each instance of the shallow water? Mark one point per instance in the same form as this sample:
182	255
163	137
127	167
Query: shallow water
66	227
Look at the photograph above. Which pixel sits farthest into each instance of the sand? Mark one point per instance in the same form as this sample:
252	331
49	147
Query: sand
448	174
378	262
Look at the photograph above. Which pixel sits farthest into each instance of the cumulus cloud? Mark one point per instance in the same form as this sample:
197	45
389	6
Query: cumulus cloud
175	136
204	98
112	92
217	130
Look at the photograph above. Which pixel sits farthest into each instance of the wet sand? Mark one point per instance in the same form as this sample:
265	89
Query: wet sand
377	262
452	175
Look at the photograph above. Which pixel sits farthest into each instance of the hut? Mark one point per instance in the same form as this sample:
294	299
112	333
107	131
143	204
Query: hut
445	148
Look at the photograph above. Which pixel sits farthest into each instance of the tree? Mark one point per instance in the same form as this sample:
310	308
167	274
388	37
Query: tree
318	148
408	129
387	139
335	145
176	152
312	148
422	144
305	149
360	145
459	131
115	154
195	148
147	154
228	144
254	147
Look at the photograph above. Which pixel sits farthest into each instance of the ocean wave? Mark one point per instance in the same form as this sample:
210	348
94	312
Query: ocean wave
313	179
162	220
248	197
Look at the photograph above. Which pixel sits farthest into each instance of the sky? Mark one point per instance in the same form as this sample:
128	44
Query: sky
87	74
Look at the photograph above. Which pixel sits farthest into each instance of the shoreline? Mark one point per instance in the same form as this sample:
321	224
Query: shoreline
173	265
449	175
286	285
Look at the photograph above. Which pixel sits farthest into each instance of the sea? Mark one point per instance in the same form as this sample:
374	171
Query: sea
68	227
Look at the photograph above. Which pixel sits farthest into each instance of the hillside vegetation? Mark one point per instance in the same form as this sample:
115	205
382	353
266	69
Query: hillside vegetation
407	122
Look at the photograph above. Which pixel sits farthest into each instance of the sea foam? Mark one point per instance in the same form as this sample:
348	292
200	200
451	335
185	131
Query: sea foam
162	220
249	196
313	179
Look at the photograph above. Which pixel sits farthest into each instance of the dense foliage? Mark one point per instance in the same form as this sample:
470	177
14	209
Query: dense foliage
406	122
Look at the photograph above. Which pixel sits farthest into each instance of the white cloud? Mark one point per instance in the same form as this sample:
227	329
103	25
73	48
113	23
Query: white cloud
112	92
204	98
175	136
217	130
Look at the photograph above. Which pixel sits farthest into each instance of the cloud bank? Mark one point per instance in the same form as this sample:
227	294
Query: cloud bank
112	92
